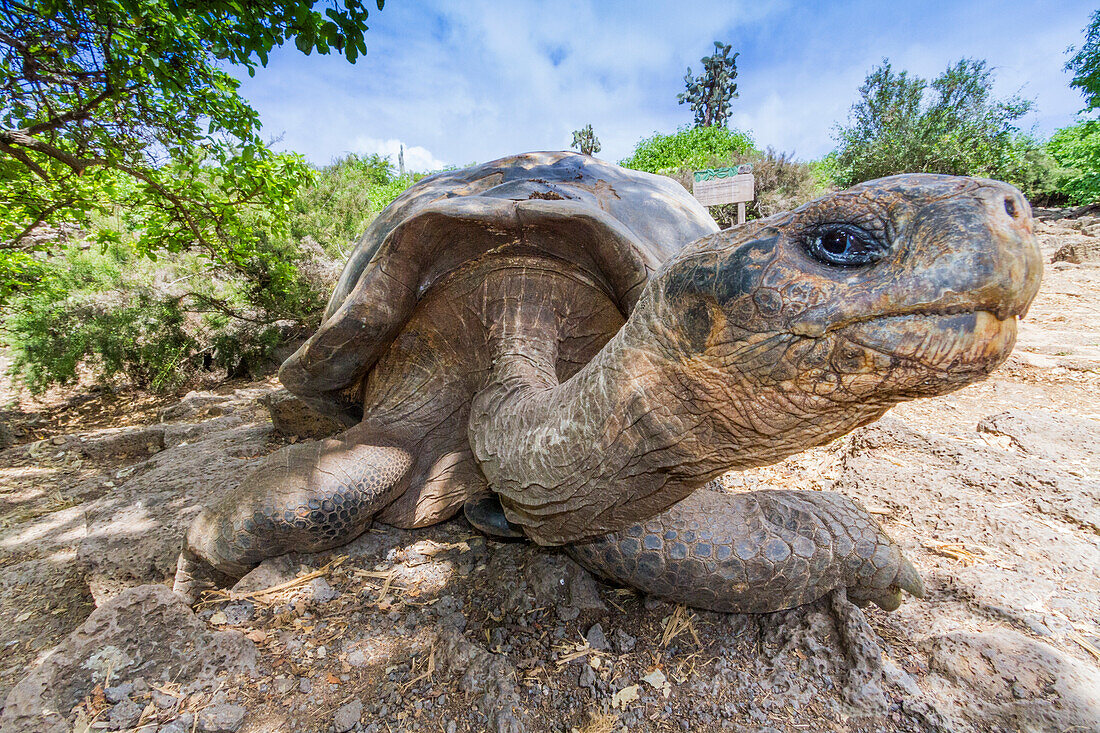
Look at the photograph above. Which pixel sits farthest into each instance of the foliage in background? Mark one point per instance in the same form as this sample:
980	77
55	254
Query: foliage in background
709	94
1076	150
694	147
110	313
1085	65
903	123
585	140
119	125
782	183
347	194
112	103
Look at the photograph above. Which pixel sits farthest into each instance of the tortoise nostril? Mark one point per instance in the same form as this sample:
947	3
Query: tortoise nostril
1010	206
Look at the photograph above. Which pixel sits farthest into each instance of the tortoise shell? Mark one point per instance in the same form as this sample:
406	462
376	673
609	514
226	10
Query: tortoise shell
617	225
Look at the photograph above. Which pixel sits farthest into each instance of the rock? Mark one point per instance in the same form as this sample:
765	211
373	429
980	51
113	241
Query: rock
558	581
146	630
348	716
596	638
131	441
291	416
238	613
1032	487
164	701
185	723
1004	680
624	642
271	572
320	591
863	691
198	403
124	715
221	718
586	677
1078	251
487	675
134	532
118	693
283	685
305	686
176	434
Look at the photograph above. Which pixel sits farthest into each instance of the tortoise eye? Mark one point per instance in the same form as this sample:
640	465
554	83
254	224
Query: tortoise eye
843	245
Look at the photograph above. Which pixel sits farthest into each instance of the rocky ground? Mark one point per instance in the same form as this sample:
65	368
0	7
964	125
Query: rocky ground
993	491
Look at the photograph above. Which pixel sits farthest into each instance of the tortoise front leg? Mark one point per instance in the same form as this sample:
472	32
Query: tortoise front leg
756	552
307	497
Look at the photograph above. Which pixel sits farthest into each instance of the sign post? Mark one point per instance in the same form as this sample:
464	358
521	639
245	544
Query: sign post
715	186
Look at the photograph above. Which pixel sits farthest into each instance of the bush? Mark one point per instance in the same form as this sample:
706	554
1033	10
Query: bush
346	195
959	129
90	309
113	313
781	182
1076	150
688	147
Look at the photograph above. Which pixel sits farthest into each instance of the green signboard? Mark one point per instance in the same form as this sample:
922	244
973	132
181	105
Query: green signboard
713	174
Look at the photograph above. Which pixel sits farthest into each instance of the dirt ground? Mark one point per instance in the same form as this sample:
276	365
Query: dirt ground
993	491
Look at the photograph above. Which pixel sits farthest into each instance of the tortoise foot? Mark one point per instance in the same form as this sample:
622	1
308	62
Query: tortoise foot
307	497
756	552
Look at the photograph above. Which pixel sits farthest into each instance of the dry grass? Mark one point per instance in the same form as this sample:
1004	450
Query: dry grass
681	620
959	551
600	723
272	595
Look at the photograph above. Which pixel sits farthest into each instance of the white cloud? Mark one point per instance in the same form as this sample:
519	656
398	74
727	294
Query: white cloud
472	81
417	158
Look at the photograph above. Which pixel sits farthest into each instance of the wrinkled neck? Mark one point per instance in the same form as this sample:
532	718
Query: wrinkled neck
639	427
559	455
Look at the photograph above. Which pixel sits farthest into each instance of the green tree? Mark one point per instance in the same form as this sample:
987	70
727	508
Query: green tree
585	140
110	104
958	128
1076	150
709	94
1085	65
110	314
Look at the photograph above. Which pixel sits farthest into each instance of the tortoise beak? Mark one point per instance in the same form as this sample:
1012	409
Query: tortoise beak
1012	234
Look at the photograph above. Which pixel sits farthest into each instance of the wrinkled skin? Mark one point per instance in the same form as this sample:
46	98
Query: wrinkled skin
595	406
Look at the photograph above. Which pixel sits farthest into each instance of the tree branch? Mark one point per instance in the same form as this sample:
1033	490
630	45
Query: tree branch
42	216
25	160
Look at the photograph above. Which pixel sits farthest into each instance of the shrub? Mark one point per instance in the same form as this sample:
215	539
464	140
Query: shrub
688	147
337	207
119	312
1076	150
90	309
781	182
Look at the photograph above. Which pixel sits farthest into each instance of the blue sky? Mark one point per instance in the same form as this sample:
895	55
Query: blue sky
472	80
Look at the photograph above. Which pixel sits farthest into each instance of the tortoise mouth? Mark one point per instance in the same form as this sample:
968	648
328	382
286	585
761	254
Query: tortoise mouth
966	341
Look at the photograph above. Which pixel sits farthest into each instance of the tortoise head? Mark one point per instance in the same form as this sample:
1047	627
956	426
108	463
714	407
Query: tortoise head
901	287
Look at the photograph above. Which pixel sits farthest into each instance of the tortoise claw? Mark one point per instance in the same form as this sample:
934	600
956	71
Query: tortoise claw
889	598
909	580
193	576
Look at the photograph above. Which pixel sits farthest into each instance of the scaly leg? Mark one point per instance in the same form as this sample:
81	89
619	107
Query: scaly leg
756	552
307	497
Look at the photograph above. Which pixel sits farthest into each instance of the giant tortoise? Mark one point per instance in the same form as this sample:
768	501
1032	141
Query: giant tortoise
570	351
